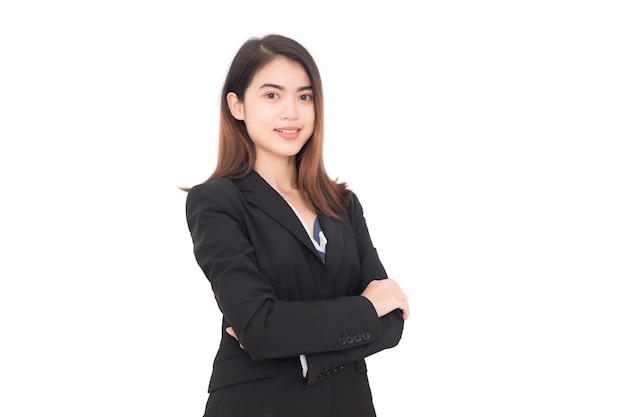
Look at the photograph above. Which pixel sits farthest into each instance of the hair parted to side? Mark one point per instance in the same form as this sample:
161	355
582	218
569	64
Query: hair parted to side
236	153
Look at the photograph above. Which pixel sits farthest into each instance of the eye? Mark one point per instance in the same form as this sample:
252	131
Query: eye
306	97
271	96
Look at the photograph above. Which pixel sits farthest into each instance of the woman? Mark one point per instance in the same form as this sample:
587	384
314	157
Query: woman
287	251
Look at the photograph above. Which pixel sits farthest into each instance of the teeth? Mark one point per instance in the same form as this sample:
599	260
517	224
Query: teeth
286	131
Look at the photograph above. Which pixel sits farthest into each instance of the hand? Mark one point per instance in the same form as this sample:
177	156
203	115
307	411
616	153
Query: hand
231	332
386	295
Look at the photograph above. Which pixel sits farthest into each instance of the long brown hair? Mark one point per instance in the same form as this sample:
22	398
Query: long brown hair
236	154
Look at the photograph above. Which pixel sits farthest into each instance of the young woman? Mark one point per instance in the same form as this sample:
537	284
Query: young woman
303	294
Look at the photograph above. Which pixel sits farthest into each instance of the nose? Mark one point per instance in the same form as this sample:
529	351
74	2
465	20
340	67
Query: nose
290	110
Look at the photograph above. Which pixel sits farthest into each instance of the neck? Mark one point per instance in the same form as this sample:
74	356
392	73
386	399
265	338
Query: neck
280	173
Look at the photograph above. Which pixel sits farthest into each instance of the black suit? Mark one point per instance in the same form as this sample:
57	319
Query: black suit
282	301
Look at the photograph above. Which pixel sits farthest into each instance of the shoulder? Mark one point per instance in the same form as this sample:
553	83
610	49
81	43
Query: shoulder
354	204
219	185
220	191
354	210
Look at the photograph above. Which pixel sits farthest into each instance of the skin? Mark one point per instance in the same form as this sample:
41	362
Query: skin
278	110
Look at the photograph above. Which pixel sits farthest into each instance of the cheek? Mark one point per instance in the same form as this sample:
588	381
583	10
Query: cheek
259	121
308	113
256	112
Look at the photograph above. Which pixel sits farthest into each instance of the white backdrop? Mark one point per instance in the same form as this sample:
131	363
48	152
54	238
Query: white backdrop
485	140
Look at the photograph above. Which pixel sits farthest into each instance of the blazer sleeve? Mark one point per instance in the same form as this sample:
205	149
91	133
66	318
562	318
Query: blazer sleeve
266	326
324	364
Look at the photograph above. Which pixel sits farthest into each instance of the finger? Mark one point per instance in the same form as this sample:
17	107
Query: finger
231	332
405	310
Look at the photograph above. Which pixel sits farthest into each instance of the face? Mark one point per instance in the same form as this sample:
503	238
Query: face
277	109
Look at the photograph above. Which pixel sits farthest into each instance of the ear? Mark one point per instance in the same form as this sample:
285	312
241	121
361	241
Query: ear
235	106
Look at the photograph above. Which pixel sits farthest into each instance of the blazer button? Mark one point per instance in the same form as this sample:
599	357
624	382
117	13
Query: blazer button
349	339
357	338
320	376
341	341
366	336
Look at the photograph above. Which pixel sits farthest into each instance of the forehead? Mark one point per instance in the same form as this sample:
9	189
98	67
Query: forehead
282	71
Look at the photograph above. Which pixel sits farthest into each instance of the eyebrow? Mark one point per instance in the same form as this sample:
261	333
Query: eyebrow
282	88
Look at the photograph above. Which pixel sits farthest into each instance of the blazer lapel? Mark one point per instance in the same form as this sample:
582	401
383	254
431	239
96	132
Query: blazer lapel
263	196
333	230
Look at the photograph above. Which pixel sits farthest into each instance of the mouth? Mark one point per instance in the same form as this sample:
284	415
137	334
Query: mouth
288	133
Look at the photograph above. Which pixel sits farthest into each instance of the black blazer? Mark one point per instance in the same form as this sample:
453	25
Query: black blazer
272	287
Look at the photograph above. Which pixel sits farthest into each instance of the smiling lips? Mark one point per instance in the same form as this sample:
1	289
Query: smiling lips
288	132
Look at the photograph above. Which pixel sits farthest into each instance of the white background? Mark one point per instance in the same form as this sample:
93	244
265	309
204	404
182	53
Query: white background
485	140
